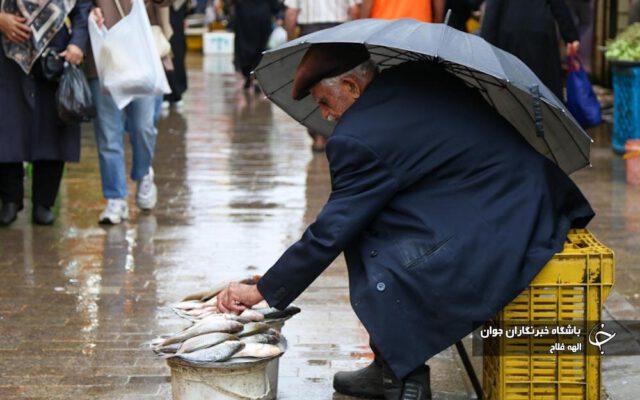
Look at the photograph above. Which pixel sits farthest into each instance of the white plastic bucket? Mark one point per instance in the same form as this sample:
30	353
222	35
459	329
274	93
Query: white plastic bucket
256	380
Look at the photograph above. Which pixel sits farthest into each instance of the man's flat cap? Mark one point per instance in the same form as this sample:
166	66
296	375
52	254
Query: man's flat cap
326	60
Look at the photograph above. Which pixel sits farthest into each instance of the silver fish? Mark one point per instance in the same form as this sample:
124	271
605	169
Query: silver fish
207	325
253	328
258	350
217	353
263	338
204	341
169	349
188	305
252	315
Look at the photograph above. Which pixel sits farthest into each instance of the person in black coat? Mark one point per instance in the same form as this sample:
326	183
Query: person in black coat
30	129
527	29
252	22
443	211
178	77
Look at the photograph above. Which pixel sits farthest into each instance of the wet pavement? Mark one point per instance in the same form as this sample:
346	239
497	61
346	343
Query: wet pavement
237	183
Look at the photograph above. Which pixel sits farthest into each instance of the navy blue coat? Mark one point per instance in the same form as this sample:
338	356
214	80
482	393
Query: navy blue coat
444	213
30	129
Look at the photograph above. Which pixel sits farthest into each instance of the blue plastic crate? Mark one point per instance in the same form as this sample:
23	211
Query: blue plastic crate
626	105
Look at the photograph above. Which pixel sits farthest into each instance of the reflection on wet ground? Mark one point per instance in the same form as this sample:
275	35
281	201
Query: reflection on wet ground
237	184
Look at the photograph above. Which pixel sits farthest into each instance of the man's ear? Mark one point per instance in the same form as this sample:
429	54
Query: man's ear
352	86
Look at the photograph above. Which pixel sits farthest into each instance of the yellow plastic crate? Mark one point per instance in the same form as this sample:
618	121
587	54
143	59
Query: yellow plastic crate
571	288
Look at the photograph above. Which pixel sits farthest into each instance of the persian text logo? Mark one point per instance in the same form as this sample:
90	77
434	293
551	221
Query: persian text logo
600	337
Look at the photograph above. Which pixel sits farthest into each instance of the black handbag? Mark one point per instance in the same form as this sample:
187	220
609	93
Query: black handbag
50	65
73	97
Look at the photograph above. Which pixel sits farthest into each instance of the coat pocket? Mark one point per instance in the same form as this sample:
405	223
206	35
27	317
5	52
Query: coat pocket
424	254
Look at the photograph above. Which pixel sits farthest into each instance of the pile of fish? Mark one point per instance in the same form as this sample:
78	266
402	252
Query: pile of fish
198	309
216	337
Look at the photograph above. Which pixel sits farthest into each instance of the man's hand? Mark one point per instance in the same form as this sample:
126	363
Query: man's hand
14	28
96	13
73	54
237	297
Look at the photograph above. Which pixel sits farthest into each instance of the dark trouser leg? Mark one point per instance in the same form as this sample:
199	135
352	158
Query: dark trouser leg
11	191
46	182
11	183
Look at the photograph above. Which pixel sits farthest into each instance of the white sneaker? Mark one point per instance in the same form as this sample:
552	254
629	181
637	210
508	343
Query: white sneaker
147	194
117	211
178	105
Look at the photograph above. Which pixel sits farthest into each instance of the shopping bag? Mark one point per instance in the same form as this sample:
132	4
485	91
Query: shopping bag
73	97
127	59
581	100
277	38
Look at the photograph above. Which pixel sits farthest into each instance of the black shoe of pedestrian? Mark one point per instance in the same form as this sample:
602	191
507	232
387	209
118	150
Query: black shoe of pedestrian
365	382
416	386
9	213
42	215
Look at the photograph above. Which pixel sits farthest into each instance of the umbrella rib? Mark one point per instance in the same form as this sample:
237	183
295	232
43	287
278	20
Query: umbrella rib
524	108
308	115
280	87
461	68
471	75
563	122
261	67
398	55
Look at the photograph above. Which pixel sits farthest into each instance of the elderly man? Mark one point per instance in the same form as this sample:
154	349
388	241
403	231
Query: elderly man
443	211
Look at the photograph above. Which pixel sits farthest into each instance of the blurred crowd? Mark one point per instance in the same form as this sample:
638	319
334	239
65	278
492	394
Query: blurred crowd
31	130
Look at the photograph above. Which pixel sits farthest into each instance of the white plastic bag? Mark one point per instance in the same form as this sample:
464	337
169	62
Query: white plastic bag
277	38
127	59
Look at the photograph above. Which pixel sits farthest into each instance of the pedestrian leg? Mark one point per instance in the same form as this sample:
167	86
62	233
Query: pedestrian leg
109	131
143	133
46	183
11	191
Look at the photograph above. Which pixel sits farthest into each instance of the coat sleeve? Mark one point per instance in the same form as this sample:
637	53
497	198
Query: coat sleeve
563	17
361	186
79	17
491	20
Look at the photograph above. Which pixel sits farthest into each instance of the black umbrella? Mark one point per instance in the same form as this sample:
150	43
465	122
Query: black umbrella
505	81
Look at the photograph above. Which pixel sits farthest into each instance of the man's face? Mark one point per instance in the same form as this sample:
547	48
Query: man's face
334	100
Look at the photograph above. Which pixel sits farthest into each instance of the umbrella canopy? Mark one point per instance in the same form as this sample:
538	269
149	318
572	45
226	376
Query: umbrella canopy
504	81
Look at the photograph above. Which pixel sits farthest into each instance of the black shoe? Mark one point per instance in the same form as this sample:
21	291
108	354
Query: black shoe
415	386
42	215
9	213
365	382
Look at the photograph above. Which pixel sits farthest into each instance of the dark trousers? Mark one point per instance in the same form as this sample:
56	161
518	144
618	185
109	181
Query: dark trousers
378	360
46	182
178	77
